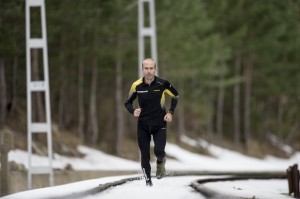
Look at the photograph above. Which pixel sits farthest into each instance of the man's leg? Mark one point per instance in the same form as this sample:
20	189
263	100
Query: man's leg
144	138
160	139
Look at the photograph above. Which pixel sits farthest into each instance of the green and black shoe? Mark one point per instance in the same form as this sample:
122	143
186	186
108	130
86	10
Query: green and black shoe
160	169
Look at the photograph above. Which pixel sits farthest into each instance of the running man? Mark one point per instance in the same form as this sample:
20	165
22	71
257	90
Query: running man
152	116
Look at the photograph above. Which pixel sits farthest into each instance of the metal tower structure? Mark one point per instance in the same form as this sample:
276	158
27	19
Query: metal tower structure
38	86
144	32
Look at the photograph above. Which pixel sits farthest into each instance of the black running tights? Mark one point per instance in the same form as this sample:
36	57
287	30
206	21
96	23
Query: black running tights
144	133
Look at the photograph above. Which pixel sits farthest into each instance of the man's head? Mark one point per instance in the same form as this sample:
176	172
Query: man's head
149	68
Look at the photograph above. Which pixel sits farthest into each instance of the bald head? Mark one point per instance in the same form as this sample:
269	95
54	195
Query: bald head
149	61
149	68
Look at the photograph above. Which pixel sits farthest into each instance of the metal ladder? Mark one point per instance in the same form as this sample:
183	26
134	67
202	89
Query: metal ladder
38	86
146	32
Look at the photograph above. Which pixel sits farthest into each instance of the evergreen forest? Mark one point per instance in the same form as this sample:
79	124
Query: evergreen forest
235	64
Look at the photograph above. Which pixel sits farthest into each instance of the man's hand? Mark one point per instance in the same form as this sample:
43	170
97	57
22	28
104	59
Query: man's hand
137	112
168	117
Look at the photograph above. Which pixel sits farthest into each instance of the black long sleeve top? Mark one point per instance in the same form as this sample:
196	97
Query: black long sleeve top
151	100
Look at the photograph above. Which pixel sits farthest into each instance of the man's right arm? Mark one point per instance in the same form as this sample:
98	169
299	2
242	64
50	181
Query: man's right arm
130	99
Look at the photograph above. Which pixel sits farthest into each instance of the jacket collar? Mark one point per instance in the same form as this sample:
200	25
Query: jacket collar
154	80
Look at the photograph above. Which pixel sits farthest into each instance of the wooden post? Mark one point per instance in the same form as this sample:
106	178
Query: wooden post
290	181
6	143
295	179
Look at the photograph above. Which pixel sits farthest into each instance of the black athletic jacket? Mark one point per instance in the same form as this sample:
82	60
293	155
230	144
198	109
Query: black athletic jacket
151	99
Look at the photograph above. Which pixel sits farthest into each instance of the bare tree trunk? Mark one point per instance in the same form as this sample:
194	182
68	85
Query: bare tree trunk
93	122
39	111
2	93
11	98
119	105
220	105
62	90
281	104
118	96
81	116
236	101
293	131
14	84
248	79
210	125
181	118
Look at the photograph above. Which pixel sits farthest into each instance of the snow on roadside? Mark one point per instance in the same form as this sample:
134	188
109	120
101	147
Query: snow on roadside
62	190
93	160
223	160
269	189
228	160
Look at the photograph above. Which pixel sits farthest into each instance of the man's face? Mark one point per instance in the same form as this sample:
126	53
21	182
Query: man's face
149	70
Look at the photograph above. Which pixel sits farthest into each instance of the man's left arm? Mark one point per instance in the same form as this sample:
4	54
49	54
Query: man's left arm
174	97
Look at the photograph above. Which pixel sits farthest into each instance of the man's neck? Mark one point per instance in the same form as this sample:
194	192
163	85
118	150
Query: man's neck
149	81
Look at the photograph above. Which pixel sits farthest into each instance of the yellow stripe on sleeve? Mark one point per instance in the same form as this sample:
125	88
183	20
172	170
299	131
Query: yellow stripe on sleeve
163	100
169	93
134	85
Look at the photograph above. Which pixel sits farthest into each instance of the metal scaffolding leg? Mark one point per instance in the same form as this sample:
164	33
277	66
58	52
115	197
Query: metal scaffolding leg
146	32
38	86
